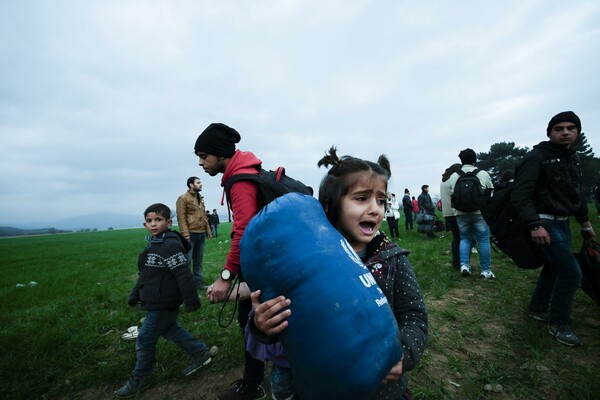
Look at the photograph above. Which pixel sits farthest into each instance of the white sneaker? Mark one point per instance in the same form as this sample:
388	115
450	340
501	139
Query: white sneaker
488	275
465	270
132	329
131	334
473	250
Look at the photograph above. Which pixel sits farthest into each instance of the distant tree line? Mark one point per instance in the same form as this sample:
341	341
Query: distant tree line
6	231
505	156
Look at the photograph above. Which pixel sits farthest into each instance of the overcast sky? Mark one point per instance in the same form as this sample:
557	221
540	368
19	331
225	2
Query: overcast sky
101	101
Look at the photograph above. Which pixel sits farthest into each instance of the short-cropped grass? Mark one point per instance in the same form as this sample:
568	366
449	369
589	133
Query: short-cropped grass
61	336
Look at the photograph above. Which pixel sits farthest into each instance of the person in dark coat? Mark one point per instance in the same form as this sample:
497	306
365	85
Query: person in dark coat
547	193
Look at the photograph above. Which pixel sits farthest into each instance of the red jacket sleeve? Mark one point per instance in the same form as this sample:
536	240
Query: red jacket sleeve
244	199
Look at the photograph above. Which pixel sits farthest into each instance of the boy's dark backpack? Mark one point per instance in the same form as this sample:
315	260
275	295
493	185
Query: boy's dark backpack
467	191
271	185
508	232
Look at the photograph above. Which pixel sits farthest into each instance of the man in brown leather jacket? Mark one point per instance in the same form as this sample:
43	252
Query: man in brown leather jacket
194	226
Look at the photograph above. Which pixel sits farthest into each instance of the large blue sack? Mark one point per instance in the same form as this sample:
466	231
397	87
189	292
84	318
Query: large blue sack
342	338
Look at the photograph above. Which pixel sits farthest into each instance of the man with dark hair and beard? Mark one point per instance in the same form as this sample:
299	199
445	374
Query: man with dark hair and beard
547	192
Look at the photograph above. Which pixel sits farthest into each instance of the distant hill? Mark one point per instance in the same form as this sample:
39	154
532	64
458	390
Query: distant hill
100	221
95	221
11	231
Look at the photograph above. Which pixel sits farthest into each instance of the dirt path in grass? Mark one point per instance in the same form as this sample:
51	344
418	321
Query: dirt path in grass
201	386
458	308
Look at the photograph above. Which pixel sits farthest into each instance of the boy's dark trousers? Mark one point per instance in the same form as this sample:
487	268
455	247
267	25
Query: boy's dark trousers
163	323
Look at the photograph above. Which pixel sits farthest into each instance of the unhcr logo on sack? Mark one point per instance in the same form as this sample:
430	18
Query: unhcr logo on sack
351	253
368	280
381	301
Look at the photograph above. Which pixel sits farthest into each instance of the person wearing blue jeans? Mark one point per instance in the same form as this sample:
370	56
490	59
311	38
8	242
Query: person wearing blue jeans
471	224
555	288
547	192
474	226
214	222
194	226
196	256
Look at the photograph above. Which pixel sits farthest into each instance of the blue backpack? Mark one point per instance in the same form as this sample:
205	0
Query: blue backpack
342	338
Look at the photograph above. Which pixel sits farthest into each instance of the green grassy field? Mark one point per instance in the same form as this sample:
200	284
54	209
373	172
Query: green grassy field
61	338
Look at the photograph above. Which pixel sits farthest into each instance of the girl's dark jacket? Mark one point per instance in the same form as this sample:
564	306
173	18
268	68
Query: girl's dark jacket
548	181
165	280
391	269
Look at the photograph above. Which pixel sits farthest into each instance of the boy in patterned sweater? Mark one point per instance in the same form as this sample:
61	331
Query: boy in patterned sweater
164	283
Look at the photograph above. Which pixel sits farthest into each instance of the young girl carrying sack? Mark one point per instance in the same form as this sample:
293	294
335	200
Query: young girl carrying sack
344	302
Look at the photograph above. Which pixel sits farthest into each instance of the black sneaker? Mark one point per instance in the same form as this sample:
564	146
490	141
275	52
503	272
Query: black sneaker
240	390
563	333
133	386
196	364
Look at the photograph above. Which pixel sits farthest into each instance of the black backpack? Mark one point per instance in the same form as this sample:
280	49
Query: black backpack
508	232
589	262
271	185
467	191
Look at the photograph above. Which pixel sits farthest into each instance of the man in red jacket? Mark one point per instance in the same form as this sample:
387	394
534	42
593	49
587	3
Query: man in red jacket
216	150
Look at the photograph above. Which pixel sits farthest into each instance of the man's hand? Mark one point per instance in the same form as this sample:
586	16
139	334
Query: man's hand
270	316
587	231
217	292
132	301
540	236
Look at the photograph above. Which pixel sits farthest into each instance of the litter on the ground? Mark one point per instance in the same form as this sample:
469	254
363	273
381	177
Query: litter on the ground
30	284
131	334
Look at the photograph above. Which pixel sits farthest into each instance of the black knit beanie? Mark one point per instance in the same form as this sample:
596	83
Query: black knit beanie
217	139
467	156
565	116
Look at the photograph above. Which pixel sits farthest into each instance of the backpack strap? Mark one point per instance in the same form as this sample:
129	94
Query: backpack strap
460	172
278	173
234	179
240	177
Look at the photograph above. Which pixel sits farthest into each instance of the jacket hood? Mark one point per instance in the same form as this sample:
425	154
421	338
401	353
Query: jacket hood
175	234
242	162
552	147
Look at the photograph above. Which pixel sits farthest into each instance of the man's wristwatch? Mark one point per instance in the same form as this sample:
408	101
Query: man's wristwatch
226	275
